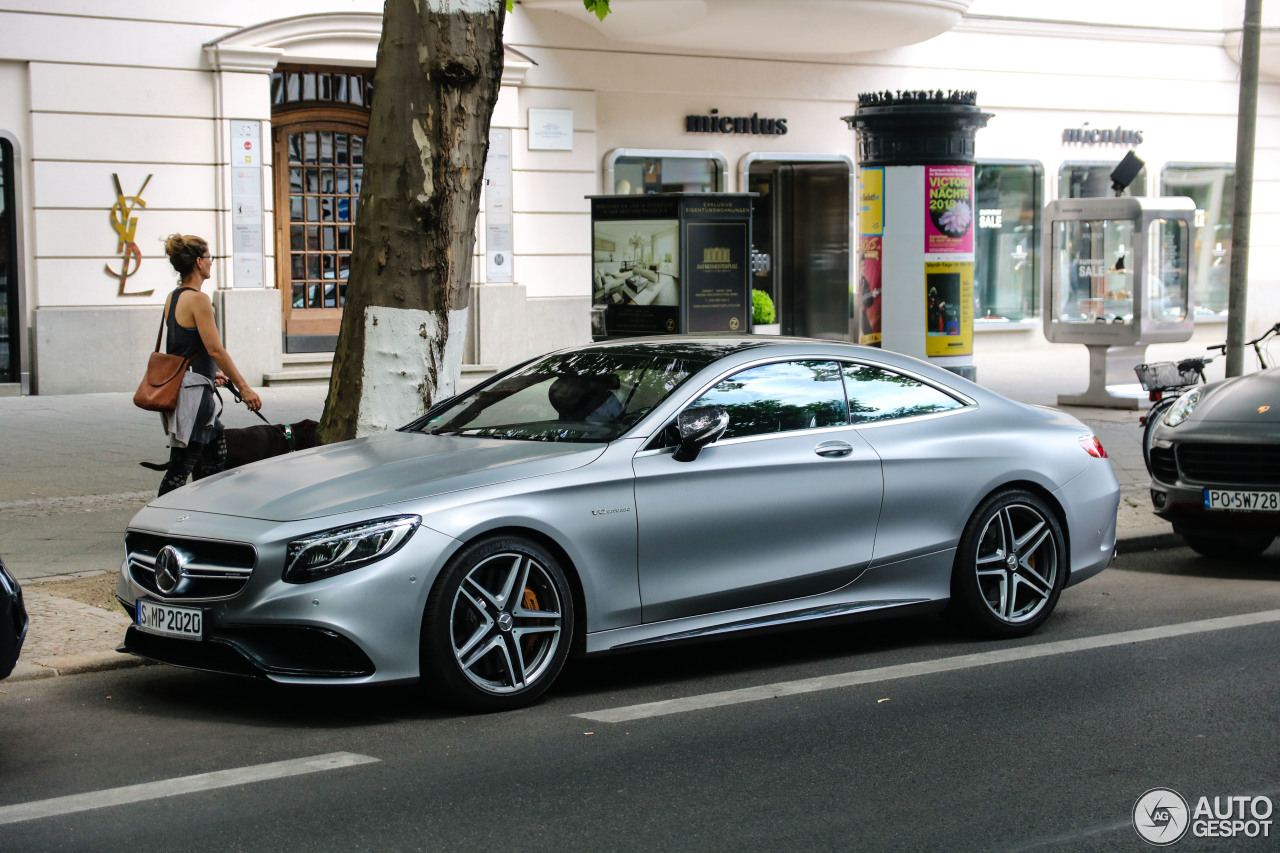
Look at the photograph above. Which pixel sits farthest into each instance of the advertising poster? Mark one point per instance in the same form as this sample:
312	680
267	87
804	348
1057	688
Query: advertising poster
634	276
718	269
871	201
948	216
869	290
948	307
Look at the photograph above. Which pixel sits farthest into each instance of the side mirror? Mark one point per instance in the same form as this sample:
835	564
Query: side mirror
698	428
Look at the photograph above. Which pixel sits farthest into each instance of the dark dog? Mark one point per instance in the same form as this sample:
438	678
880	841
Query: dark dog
250	444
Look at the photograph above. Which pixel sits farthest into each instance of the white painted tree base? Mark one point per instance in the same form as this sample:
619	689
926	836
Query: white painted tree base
398	348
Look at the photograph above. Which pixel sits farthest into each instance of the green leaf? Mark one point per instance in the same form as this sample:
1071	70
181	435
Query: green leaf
599	8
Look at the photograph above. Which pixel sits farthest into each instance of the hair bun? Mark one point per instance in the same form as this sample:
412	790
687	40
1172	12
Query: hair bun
174	244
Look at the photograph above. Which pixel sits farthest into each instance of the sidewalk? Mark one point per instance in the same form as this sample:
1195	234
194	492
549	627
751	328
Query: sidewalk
70	482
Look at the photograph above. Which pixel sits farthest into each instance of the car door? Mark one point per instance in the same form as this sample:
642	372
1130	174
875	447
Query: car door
784	505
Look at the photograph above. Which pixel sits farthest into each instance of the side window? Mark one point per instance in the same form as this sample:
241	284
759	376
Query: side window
876	394
780	397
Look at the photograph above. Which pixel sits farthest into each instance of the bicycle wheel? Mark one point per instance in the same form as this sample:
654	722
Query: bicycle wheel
1154	414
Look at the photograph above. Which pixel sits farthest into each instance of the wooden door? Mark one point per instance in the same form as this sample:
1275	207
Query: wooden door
319	169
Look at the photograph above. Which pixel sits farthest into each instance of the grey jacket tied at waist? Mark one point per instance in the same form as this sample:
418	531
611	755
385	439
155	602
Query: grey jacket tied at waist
179	423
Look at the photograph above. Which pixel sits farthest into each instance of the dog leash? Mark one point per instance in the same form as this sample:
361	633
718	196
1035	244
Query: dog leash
235	392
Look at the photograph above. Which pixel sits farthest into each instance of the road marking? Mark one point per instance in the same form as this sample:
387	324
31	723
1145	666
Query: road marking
928	667
182	785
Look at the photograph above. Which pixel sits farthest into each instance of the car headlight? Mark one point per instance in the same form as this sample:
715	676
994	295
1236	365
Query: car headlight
332	552
1183	407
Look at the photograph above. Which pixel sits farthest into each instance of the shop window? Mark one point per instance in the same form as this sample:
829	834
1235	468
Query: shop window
1093	180
1008	198
8	268
1212	188
640	172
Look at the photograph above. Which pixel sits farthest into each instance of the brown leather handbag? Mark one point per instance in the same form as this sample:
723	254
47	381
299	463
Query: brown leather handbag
158	391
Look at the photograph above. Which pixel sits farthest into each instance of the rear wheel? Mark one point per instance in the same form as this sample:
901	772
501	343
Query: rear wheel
497	626
1010	566
1236	547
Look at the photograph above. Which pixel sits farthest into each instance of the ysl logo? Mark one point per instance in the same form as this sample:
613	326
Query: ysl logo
124	223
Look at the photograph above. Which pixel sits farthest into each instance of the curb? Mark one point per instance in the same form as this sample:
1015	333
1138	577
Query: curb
75	665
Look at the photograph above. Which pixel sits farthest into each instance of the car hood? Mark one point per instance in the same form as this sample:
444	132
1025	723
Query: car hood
1253	399
372	472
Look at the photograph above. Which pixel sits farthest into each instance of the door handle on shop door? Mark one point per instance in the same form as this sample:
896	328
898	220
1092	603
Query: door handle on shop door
832	449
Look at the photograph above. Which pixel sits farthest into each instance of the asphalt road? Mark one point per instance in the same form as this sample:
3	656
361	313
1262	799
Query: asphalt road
896	735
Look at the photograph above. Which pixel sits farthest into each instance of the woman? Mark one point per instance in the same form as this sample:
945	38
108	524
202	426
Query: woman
195	435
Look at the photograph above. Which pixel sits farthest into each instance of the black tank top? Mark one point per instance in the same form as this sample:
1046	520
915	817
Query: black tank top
186	342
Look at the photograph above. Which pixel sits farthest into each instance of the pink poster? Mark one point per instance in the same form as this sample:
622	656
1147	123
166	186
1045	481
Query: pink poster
948	201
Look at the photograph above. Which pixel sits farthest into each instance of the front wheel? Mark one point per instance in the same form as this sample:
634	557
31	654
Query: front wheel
1010	566
1236	547
498	626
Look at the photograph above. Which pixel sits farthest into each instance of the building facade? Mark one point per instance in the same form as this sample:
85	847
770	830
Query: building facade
244	123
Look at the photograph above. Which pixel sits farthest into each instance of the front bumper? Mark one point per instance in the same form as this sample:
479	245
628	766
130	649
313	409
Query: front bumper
359	627
1183	506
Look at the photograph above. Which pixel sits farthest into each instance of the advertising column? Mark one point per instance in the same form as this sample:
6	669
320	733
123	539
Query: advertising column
915	223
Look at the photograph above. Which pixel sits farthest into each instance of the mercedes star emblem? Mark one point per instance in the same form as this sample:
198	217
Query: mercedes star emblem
170	568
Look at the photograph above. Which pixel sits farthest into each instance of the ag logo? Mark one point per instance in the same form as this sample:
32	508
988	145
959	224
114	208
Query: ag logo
733	323
1161	816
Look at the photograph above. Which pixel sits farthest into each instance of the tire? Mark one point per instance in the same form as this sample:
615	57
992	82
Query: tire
1236	547
1010	566
498	626
1154	414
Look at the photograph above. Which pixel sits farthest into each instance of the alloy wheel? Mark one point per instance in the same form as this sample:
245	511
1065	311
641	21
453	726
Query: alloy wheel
1017	563
506	622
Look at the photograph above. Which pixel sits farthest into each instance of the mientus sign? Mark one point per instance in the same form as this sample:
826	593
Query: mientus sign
1098	136
716	123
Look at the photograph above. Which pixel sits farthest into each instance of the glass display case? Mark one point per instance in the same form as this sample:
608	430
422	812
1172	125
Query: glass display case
1117	278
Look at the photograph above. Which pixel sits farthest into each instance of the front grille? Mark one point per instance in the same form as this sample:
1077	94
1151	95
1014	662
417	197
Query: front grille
211	570
1163	466
1230	464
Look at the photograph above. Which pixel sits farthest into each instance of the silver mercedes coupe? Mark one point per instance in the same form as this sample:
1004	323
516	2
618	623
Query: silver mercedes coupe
617	495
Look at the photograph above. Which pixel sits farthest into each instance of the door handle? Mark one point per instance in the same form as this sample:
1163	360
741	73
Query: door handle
832	449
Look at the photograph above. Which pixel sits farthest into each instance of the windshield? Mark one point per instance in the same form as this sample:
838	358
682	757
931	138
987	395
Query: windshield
592	396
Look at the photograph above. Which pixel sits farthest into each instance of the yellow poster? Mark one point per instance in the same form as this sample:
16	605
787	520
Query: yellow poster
949	307
870	202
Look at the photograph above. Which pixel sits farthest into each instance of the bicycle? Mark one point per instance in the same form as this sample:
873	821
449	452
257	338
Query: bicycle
1159	378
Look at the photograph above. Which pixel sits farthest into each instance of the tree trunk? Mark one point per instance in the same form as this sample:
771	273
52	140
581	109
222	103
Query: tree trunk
405	318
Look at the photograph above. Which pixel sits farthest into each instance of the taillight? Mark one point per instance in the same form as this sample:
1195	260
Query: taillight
1093	447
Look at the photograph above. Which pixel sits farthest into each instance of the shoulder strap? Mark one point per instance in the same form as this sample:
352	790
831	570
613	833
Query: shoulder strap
173	306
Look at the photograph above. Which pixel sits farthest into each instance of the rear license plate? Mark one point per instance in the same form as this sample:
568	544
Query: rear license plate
1241	501
182	622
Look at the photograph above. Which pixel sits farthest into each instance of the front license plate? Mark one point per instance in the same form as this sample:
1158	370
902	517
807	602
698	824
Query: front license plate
182	622
1241	501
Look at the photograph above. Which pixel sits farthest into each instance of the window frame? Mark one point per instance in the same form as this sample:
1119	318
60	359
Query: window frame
612	157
